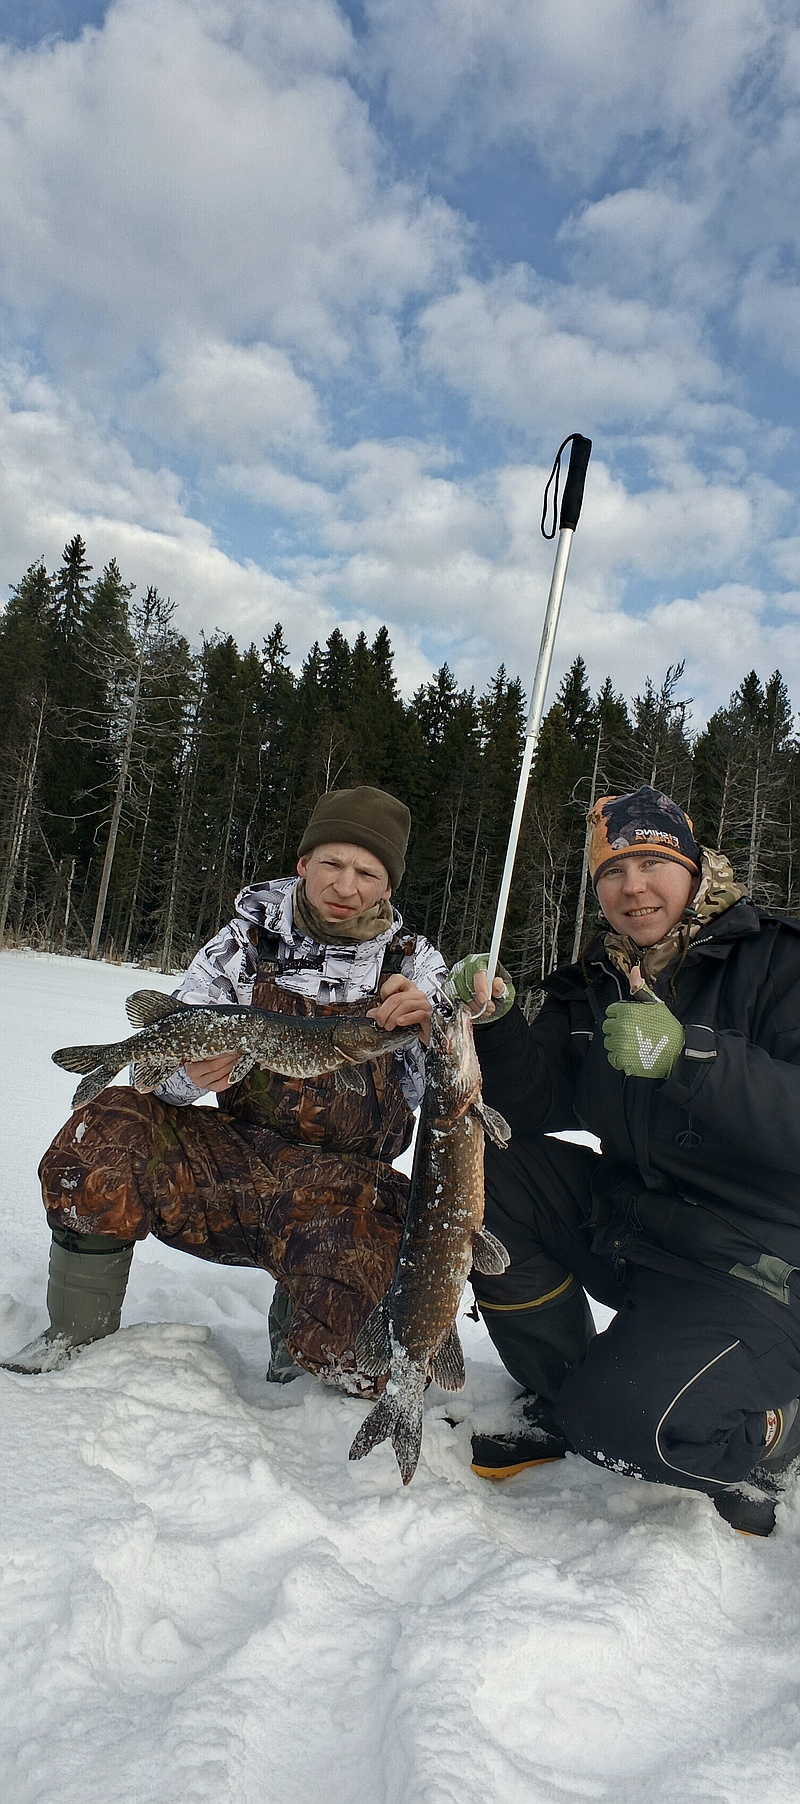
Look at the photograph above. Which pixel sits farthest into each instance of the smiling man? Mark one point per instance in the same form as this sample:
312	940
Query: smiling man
676	1041
294	1175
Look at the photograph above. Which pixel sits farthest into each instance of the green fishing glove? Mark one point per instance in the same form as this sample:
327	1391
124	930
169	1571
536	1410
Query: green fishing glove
460	985
642	1038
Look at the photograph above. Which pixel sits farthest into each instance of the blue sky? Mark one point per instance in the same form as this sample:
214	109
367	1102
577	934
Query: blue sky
298	299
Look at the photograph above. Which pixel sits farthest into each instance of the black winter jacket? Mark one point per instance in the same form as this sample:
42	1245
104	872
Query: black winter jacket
700	1172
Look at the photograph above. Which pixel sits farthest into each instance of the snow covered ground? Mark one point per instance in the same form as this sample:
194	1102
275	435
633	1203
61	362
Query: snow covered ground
202	1600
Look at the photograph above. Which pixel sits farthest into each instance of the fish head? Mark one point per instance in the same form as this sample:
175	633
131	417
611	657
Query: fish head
360	1039
454	1071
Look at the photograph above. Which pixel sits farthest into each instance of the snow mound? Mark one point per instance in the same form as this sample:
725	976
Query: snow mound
202	1599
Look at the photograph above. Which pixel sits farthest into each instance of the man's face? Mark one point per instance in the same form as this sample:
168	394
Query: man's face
343	881
645	897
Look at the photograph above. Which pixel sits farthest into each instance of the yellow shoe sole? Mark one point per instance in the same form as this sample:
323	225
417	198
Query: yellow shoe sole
498	1472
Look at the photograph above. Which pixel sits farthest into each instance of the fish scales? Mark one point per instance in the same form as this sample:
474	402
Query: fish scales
436	1257
172	1034
412	1334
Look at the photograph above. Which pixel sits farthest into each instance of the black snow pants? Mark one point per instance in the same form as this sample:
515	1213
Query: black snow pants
676	1387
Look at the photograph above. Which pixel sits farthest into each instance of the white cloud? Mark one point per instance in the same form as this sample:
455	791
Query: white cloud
454	564
229	400
216	256
649	241
59	475
576	80
156	179
536	354
768	314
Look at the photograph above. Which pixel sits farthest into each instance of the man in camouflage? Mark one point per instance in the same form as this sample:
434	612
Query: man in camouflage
292	1175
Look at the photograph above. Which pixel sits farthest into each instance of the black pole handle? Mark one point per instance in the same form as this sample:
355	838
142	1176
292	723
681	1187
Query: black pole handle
573	487
576	478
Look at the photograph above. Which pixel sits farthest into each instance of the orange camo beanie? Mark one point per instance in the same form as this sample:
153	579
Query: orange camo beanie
641	823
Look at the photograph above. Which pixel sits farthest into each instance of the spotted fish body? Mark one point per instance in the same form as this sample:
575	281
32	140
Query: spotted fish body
412	1334
172	1033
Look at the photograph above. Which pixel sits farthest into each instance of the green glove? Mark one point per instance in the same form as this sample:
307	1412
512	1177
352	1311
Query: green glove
642	1038
460	985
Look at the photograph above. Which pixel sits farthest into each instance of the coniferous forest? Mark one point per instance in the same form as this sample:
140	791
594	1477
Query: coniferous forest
143	782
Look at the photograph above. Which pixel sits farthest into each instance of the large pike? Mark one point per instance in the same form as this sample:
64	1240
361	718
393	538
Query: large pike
172	1032
412	1334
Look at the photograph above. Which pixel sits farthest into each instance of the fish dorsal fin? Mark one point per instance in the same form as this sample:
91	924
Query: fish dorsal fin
495	1126
447	1365
145	1007
488	1254
373	1347
147	1074
348	1077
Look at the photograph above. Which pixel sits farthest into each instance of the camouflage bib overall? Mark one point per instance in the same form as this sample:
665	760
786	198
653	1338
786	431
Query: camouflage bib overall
316	1111
288	1174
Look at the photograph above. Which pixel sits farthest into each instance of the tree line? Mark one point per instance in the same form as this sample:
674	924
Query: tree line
143	782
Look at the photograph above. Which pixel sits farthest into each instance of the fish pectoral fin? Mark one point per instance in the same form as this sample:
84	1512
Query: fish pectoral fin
145	1007
373	1347
348	1077
242	1068
495	1126
147	1074
488	1253
447	1365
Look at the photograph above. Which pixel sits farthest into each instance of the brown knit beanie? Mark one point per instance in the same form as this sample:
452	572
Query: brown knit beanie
361	817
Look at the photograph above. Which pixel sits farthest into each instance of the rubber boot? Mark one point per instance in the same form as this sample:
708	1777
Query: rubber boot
540	1342
85	1294
282	1368
538	1345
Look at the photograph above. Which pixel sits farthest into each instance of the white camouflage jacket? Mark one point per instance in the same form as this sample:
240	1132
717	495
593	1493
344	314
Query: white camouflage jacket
224	972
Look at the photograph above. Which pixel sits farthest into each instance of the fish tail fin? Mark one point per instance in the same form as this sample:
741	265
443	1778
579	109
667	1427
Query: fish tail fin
84	1058
399	1418
376	1427
93	1084
407	1439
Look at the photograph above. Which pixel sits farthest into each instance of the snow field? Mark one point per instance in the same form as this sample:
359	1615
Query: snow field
202	1599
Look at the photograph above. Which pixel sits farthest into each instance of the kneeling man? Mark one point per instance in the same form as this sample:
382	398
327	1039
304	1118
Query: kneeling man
293	1175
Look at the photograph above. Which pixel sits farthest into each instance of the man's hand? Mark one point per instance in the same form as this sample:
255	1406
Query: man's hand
402	1004
212	1074
642	1038
468	982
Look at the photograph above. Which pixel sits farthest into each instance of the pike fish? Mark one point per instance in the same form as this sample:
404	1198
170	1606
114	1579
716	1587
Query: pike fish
172	1032
412	1334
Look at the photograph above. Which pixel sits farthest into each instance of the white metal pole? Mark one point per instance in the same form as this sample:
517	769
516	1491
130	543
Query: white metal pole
569	517
535	715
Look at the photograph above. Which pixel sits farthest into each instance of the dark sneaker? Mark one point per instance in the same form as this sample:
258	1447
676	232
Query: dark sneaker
534	1441
749	1511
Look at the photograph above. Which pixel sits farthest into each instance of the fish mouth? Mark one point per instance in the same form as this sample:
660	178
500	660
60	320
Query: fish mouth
443	1023
453	1047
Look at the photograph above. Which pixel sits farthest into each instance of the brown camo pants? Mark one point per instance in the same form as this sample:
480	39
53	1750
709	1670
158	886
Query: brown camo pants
327	1225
